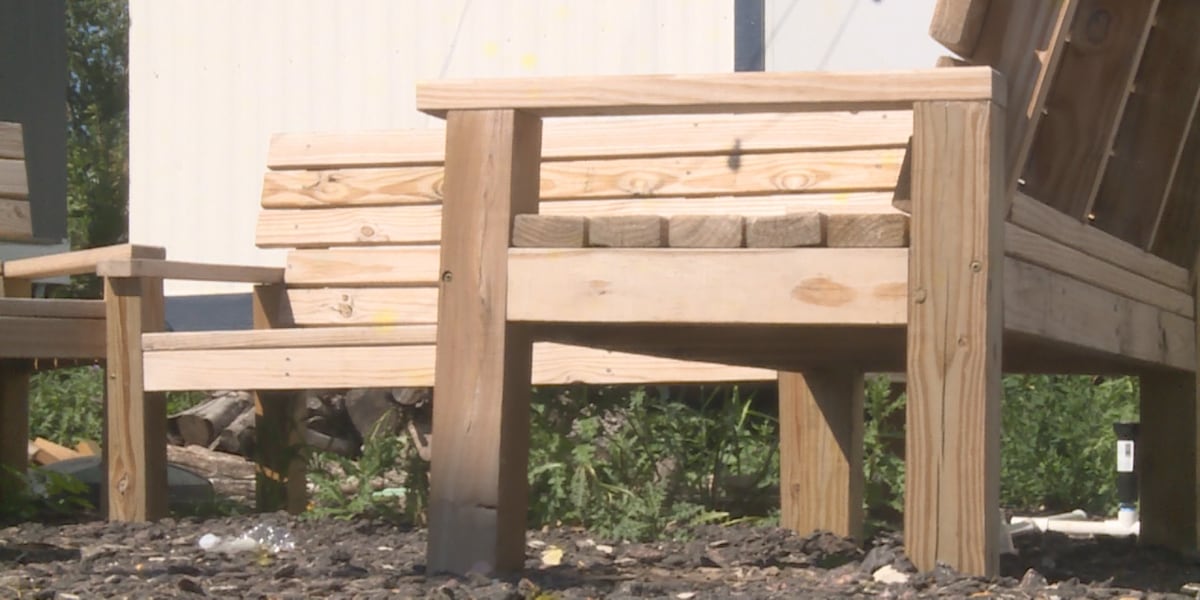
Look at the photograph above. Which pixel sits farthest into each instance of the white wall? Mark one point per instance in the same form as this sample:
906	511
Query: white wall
850	35
212	79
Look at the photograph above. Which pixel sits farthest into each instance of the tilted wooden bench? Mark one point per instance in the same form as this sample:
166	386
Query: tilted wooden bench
52	332
1032	215
356	304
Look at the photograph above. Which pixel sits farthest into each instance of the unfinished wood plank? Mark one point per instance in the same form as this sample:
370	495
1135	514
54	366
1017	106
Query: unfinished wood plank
956	286
627	231
1035	249
1176	240
361	226
309	307
801	285
1048	222
352	187
279	473
173	269
601	138
771	205
479	494
78	262
549	231
786	231
562	364
325	337
135	420
1085	103
1153	128
13	180
16	223
821	452
1166	455
710	93
14	423
1024	40
12	144
50	452
867	231
956	24
1050	305
706	231
38	337
63	308
410	265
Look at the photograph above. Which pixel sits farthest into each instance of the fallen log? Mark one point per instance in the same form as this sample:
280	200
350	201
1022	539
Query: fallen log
328	443
238	437
203	423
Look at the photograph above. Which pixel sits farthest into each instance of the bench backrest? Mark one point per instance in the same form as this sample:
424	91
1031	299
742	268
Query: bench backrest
361	213
15	222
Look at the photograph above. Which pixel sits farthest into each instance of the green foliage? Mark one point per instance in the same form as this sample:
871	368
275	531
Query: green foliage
41	495
883	438
1058	446
346	488
633	466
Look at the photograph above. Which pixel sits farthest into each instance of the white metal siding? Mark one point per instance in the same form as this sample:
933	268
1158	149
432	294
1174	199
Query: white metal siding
850	35
212	79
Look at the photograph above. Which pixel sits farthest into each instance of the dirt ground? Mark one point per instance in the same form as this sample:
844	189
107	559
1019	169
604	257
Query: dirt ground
372	559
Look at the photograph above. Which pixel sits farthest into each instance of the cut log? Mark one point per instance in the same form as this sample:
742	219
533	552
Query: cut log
238	437
328	443
48	452
201	424
412	396
706	231
368	407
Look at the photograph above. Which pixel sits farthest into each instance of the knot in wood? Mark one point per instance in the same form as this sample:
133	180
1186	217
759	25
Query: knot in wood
367	231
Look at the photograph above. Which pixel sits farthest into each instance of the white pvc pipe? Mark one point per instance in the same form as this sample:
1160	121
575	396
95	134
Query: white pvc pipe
1075	522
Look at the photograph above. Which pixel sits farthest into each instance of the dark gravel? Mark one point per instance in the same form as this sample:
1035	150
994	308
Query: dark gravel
369	559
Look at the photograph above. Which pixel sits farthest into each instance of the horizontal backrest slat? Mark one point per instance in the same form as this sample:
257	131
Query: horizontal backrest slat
12	144
13	181
61	308
359	306
360	226
415	265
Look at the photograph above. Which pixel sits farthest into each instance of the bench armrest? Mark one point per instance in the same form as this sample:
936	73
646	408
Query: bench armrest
78	262
167	269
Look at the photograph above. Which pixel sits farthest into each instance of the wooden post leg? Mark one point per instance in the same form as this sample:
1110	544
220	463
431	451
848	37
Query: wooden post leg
954	336
14	402
821	451
1166	455
479	486
135	422
281	470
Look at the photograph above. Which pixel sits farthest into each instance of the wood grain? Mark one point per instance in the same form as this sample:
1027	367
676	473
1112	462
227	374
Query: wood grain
280	471
323	337
549	231
801	285
359	226
867	230
135	423
479	493
1153	128
710	93
956	24
329	306
16	222
353	187
173	269
412	265
627	231
956	286
706	231
1085	103
1166	460
13	181
51	308
821	452
54	337
793	230
1177	241
12	143
79	262
14	402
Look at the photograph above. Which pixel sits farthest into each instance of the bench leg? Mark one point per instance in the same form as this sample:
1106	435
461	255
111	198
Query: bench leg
14	423
956	258
479	474
1166	454
821	451
135	422
280	476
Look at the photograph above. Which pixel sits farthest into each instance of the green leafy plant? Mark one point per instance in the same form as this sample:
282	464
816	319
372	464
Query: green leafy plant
347	488
41	495
883	443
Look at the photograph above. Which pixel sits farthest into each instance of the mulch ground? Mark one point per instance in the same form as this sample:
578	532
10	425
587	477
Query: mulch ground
371	559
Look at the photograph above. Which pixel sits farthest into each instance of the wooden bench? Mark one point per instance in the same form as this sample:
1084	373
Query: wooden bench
38	332
357	303
1011	262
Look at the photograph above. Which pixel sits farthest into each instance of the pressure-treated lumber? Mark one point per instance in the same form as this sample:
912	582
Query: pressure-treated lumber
851	230
956	24
135	440
479	491
802	285
1036	249
1154	127
956	287
321	337
627	231
706	231
769	205
169	269
352	187
76	263
549	231
358	306
13	180
712	93
51	337
12	144
62	308
786	231
359	226
279	474
600	138
821	451
14	423
1086	101
1166	455
1054	306
1048	222
15	219
413	265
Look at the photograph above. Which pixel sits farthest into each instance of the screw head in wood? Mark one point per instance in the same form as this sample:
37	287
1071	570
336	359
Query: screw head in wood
447	276
976	266
919	296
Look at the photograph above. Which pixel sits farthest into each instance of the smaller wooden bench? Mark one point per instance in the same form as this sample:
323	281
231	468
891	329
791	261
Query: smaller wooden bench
356	304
